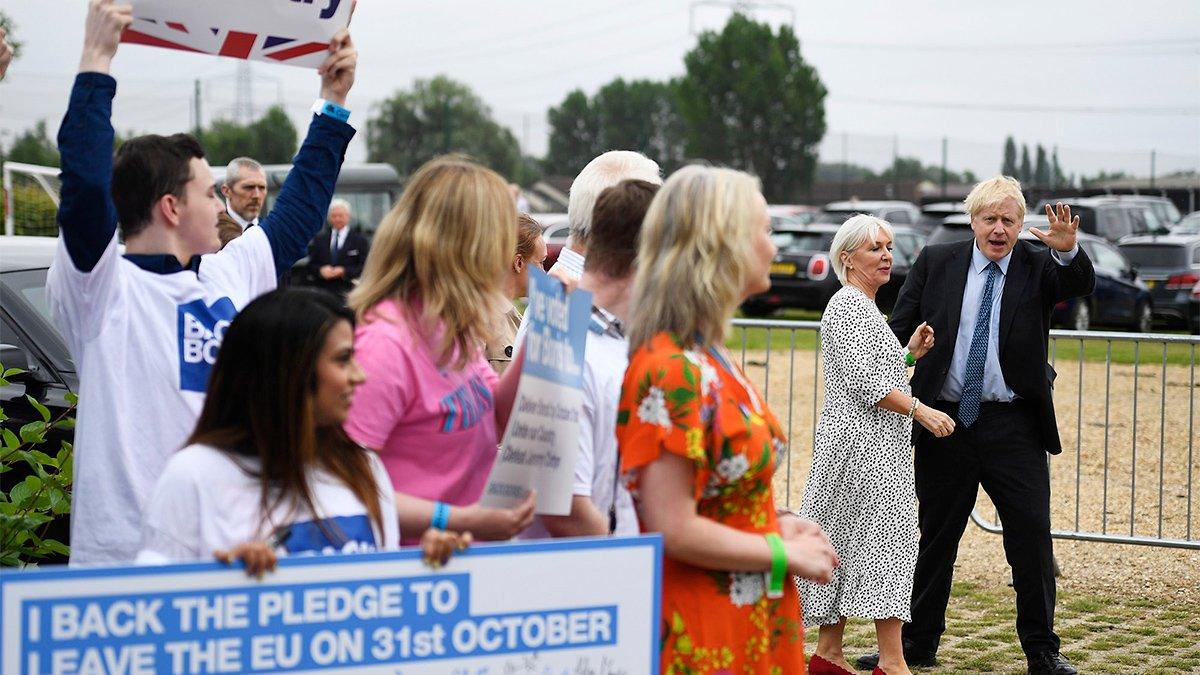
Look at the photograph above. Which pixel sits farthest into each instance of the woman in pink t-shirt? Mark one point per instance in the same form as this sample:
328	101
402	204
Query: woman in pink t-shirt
431	405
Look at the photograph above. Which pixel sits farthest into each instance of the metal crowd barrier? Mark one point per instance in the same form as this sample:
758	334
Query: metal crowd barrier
1126	406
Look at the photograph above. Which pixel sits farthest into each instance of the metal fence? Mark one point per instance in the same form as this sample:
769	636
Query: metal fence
1126	406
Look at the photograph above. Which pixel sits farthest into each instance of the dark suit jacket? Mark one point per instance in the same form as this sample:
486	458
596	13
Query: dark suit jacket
933	292
352	256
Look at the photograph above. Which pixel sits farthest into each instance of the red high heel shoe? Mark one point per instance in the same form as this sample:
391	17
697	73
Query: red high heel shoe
820	666
878	671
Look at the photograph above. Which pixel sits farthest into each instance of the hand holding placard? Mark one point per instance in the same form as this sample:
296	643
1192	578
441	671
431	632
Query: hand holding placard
102	33
337	72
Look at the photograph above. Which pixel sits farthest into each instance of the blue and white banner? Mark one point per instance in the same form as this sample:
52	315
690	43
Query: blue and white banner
560	607
540	445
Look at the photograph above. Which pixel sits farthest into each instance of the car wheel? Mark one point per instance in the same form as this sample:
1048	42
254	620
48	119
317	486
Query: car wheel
1081	317
1143	318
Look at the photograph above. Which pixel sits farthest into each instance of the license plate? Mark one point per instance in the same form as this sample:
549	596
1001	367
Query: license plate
783	268
1151	284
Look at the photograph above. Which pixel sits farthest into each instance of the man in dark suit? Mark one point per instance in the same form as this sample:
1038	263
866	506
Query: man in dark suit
989	301
337	254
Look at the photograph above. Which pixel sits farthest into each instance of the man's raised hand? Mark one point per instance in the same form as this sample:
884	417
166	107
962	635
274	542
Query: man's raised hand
102	33
1062	233
337	72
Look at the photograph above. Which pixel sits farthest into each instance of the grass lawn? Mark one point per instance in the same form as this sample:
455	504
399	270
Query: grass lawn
1100	634
1065	349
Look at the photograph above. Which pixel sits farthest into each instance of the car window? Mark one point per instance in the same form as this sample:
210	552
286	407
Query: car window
1156	255
899	218
907	246
1112	223
946	233
835	217
1196	256
28	305
557	233
1106	257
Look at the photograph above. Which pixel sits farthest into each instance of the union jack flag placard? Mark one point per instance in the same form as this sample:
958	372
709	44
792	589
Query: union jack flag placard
295	32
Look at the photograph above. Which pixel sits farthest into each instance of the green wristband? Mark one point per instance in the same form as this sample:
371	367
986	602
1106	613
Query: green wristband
909	359
778	565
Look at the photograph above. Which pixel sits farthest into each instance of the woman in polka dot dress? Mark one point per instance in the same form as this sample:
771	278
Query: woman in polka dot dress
860	487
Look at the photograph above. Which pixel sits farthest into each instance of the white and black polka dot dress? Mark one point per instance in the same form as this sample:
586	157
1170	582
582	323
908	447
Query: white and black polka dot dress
860	487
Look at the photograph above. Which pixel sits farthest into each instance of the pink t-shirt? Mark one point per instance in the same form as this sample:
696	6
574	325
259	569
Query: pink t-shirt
434	428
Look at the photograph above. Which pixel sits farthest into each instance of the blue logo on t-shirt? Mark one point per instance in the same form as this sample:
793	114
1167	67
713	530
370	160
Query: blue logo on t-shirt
342	534
465	407
201	329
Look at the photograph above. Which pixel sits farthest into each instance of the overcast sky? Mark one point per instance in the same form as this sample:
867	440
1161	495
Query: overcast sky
1105	81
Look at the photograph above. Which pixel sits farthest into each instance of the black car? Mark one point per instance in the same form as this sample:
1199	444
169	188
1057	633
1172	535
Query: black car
29	341
933	214
1195	305
1170	266
1121	299
802	276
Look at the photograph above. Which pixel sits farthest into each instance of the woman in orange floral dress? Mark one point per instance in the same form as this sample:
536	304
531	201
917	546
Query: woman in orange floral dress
699	445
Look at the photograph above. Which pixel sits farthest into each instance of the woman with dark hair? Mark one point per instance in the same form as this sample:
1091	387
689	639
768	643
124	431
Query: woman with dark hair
268	469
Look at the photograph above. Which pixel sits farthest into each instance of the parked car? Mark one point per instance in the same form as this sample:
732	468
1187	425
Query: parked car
933	214
802	276
28	340
1170	266
1120	300
791	214
894	212
1164	209
1109	217
1189	224
555	230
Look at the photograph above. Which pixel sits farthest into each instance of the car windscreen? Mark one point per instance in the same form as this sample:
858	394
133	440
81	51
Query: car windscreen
835	217
30	289
794	242
1155	255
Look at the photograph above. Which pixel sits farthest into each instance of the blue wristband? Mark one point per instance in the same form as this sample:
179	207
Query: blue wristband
331	109
441	516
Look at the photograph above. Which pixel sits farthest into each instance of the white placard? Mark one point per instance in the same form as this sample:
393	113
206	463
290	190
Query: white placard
295	32
562	606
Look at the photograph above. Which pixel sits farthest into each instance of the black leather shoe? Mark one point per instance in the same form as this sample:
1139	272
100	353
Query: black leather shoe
912	657
1050	663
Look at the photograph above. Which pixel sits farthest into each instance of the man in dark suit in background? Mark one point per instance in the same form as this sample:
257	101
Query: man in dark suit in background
989	301
337	254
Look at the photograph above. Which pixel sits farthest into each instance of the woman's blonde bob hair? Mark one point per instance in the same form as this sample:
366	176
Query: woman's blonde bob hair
693	254
856	231
442	251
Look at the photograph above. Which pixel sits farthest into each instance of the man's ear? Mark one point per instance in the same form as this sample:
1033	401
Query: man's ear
225	191
168	206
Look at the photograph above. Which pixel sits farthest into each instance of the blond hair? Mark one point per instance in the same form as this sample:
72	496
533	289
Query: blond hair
693	254
443	250
856	231
992	191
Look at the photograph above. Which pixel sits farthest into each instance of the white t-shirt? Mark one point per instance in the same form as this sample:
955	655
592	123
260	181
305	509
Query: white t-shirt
143	344
606	358
206	501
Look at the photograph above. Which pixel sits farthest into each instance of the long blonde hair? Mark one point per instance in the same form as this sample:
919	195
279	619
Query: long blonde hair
694	250
445	247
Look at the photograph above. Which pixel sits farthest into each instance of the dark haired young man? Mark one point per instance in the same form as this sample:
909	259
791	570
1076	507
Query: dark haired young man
144	327
601	505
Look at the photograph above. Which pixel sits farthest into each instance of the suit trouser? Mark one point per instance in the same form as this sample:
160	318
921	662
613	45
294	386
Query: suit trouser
1002	452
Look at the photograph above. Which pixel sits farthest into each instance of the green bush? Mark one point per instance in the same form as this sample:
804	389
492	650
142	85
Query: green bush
29	506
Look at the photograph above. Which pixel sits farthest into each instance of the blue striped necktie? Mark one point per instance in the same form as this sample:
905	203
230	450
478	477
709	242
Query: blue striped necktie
972	389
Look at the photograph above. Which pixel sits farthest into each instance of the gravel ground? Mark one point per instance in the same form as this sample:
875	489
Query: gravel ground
1097	422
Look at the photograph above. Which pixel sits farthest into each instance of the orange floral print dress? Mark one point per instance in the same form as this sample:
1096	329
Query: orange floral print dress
695	404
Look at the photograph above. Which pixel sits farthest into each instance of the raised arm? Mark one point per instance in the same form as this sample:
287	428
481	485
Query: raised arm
87	217
303	202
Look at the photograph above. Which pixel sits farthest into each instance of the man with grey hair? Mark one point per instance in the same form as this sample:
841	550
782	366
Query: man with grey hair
245	192
601	173
337	254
